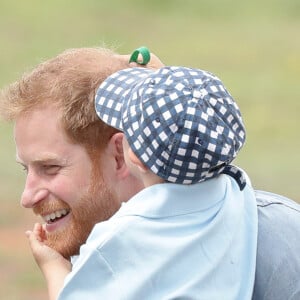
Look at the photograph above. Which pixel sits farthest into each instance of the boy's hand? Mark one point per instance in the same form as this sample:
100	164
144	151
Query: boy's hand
44	255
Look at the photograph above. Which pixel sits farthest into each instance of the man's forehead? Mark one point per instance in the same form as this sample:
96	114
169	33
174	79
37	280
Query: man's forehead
40	116
39	136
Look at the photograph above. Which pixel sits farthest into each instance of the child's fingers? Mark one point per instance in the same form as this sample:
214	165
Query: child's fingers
43	232
31	237
38	231
32	240
37	228
35	236
28	233
36	246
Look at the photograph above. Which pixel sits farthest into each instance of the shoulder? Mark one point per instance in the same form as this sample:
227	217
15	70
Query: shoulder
278	221
278	248
272	200
274	211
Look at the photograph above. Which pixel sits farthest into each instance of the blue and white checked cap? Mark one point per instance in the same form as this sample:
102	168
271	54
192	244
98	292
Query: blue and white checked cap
182	123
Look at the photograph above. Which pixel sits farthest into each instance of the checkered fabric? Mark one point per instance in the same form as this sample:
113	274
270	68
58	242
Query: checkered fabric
182	123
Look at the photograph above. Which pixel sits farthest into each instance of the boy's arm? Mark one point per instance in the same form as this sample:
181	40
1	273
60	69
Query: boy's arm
53	265
55	276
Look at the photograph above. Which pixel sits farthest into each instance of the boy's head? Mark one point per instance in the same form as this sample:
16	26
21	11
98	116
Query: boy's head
180	122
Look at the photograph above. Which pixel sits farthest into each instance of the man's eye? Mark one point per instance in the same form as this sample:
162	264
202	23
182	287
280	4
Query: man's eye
51	169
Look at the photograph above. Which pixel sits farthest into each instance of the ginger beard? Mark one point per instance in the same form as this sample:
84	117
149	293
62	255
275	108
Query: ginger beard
96	205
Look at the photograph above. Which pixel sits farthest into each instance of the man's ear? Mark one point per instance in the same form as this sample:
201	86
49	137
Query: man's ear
115	148
135	160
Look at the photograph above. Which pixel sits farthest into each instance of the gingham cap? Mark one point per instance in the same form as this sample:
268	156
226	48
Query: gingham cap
182	123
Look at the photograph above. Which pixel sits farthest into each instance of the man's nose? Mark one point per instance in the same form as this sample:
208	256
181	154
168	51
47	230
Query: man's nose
34	190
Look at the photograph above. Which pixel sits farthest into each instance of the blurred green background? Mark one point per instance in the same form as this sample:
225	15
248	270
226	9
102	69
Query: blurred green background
253	46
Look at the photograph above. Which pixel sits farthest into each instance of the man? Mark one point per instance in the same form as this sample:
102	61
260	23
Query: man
190	203
76	174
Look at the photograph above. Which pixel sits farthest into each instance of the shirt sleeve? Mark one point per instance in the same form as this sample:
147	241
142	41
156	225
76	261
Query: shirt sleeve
91	278
278	259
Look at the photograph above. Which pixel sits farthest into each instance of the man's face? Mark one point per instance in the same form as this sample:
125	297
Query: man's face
62	185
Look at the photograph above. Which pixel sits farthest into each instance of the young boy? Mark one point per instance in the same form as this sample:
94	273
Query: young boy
192	232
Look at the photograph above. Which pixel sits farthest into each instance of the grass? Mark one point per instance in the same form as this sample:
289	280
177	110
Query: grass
252	46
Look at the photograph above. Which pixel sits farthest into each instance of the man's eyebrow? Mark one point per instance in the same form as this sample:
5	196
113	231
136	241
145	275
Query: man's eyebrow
43	160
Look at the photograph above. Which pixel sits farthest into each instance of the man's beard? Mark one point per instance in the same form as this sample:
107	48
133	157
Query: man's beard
96	205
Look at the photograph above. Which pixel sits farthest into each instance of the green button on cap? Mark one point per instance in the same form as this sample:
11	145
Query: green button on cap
144	51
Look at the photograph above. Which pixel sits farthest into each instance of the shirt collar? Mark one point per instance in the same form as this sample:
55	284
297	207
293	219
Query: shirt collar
170	199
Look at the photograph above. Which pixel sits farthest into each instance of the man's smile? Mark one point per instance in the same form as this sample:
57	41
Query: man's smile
55	216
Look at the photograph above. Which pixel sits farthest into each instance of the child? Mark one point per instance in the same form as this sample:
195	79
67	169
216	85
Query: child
191	233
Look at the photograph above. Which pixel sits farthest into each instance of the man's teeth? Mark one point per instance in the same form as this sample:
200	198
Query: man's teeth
54	215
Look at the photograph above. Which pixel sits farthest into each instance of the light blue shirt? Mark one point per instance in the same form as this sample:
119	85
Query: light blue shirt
172	242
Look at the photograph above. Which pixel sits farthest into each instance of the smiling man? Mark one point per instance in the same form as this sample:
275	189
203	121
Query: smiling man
75	171
62	186
76	175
